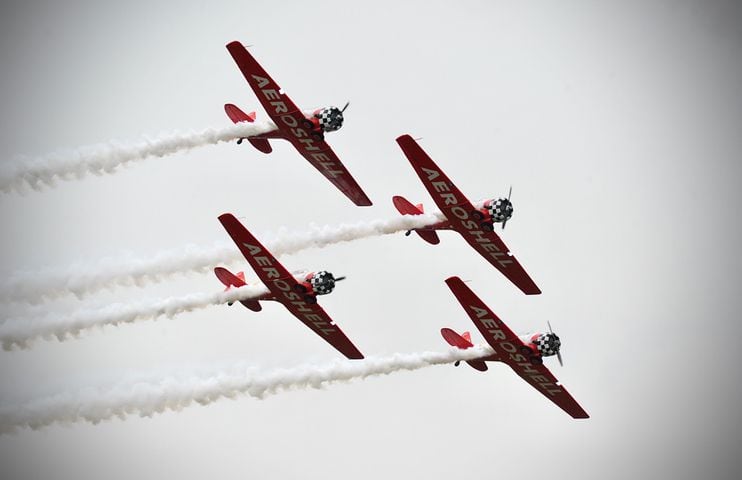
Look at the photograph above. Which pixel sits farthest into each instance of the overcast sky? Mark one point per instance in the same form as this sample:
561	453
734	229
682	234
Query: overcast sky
619	128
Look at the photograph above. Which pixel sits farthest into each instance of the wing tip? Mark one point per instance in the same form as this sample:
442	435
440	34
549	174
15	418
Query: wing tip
454	280
406	138
234	44
354	354
226	216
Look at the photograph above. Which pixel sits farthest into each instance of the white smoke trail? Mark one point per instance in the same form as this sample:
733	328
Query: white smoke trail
43	172
82	279
19	332
173	393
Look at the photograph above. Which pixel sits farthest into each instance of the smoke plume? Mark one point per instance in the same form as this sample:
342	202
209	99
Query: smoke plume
19	332
175	392
128	270
105	159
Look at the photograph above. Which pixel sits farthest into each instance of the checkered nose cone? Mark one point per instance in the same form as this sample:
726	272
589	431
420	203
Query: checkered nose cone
322	282
330	119
548	344
500	210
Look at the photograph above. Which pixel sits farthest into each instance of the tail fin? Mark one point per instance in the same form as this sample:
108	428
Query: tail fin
230	280
455	340
237	116
404	207
463	342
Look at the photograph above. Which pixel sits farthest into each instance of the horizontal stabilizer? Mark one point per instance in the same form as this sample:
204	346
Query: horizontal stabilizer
405	207
253	305
236	115
463	342
429	236
230	280
261	144
456	340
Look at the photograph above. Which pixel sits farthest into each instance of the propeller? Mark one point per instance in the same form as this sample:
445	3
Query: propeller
559	351
510	192
346	106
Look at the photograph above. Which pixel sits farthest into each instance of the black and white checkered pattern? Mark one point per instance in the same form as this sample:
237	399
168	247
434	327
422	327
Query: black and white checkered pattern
330	119
548	344
500	209
322	282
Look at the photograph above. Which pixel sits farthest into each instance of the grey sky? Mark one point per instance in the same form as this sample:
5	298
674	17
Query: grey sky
618	127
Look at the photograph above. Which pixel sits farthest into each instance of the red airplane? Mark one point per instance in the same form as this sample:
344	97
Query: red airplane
523	354
299	296
476	225
305	130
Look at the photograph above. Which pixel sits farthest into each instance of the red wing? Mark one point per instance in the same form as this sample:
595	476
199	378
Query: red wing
321	156
315	317
507	347
266	89
283	287
458	210
290	120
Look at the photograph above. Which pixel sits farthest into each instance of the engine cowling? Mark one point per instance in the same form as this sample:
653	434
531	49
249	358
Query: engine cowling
548	344
321	283
500	210
330	118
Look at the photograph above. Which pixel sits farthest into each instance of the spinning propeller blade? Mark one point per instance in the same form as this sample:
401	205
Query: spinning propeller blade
510	192
559	352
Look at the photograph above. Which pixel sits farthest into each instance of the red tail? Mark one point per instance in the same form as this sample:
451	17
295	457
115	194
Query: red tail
230	280
463	342
404	207
237	116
